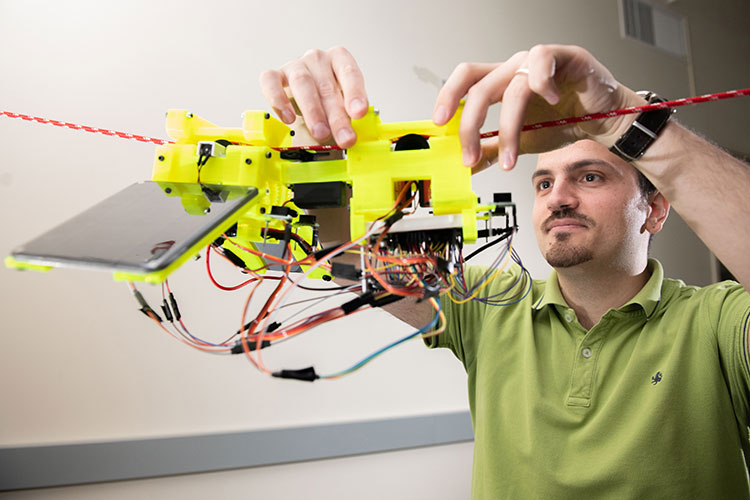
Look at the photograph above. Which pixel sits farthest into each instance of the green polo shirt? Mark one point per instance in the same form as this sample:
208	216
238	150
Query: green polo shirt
652	402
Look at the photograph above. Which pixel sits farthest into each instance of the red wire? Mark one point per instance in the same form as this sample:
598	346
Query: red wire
217	284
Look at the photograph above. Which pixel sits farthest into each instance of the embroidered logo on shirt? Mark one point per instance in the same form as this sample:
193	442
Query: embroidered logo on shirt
656	378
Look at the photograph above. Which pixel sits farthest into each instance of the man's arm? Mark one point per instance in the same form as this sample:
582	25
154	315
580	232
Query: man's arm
409	310
709	188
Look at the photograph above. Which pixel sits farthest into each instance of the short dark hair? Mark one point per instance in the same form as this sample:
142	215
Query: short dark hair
645	185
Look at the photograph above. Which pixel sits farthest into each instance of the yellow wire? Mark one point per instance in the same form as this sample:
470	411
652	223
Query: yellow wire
486	282
442	324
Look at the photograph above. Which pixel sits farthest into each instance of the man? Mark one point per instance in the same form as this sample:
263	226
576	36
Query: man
607	381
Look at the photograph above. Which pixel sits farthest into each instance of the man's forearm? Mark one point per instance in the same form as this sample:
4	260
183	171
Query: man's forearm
709	188
408	310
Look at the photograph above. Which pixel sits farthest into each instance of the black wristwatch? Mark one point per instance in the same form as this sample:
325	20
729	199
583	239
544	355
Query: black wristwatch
643	132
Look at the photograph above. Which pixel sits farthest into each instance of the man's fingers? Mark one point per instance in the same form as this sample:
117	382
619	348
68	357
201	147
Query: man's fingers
512	114
328	88
455	88
304	88
333	105
542	66
351	81
489	155
479	98
272	83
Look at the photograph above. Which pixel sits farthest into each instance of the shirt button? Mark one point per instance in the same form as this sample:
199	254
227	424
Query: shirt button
586	352
568	317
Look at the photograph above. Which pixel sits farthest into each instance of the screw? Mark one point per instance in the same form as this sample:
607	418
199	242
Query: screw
168	190
161	157
267	116
189	114
268	154
291	132
262	210
248	161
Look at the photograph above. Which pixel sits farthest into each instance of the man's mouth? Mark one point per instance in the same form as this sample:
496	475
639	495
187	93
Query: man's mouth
564	225
561	221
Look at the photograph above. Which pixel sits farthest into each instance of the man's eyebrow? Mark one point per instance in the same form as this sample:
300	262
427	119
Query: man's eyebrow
539	173
575	166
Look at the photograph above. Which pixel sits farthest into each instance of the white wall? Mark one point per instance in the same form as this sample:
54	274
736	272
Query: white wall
79	363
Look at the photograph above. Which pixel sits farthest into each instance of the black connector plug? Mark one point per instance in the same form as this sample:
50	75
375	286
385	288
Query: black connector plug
251	346
167	313
234	258
145	308
357	302
386	299
279	211
392	219
345	271
325	251
306	374
150	313
445	266
175	309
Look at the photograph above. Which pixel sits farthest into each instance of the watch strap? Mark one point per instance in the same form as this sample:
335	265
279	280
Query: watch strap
643	132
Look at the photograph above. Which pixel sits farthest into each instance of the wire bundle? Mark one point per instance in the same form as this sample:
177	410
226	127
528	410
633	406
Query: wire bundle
427	265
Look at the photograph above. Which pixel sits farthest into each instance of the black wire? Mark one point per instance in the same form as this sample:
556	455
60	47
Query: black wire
332	289
504	236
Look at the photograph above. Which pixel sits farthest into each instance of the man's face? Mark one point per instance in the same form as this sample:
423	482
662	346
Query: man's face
588	208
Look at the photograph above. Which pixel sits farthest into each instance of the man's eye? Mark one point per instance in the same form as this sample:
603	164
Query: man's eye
544	185
591	177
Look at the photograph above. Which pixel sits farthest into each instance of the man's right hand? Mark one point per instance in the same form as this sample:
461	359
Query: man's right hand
328	88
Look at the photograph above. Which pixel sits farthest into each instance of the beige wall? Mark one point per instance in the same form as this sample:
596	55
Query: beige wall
79	363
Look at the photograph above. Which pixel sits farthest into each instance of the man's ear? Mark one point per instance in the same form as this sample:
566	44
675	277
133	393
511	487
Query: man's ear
657	212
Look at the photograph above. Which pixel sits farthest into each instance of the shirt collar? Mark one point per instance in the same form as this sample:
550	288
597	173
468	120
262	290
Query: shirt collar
648	297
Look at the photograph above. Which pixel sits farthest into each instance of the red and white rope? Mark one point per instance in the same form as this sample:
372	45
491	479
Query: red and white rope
328	147
686	101
95	130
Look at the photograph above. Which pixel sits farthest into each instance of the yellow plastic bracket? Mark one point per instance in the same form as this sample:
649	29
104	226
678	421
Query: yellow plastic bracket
12	263
251	159
375	170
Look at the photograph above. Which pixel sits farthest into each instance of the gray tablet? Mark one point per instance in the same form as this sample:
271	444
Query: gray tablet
143	232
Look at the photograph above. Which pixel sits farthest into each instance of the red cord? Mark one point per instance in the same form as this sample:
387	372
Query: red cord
330	147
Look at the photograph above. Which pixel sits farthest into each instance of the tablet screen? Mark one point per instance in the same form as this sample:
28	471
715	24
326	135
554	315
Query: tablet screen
141	229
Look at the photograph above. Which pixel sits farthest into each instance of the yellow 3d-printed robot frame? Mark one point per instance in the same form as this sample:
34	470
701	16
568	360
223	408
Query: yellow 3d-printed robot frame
260	155
253	156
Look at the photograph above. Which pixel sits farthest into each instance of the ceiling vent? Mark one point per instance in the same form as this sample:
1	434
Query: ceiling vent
654	25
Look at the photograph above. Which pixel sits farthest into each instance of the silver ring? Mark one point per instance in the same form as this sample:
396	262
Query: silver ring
524	71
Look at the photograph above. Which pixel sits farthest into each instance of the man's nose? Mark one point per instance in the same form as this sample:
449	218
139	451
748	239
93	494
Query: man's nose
563	195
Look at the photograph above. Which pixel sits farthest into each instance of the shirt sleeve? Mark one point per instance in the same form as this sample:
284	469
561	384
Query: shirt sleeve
731	304
464	320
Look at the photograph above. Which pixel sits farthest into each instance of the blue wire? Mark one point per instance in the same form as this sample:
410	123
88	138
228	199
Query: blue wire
377	353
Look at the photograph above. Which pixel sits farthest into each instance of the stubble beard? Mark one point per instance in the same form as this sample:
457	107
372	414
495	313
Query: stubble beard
562	254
